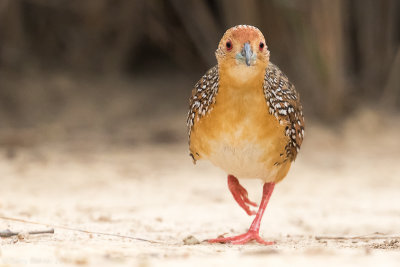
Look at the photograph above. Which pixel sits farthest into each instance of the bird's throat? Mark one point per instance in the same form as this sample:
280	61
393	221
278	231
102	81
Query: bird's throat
242	75
242	78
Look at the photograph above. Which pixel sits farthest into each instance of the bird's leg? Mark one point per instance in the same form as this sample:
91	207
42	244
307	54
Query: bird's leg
240	195
253	233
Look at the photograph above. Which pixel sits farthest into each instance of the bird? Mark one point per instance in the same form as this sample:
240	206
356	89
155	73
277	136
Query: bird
246	118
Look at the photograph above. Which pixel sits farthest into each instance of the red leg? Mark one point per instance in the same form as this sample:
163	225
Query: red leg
253	233
240	195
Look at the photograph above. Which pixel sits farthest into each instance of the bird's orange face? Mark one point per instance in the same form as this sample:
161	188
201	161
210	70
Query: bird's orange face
242	51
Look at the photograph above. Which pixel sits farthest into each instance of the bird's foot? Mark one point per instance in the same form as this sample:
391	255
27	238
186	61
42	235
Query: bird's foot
240	195
242	239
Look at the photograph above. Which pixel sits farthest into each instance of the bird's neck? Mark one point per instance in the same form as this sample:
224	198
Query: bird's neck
242	77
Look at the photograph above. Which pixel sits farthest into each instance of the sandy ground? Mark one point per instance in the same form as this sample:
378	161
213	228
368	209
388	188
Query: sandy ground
345	183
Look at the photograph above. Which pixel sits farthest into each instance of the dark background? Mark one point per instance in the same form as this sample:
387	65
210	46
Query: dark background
124	69
93	104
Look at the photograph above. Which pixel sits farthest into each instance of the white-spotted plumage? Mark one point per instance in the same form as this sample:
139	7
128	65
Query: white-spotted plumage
203	96
284	103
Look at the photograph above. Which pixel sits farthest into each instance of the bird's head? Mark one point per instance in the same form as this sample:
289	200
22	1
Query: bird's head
242	52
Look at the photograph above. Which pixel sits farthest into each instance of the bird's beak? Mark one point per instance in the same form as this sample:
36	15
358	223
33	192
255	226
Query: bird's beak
247	53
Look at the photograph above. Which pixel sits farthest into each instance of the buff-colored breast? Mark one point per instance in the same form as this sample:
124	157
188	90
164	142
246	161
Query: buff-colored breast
240	136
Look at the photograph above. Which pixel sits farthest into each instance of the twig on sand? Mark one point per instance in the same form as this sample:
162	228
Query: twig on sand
79	230
8	233
363	237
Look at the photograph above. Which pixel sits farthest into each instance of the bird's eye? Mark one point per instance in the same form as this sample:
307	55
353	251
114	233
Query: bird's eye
261	46
229	45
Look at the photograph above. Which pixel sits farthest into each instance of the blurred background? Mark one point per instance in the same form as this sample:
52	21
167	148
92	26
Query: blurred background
93	104
123	70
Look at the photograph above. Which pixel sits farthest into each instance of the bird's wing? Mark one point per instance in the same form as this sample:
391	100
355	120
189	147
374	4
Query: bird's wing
202	99
203	96
284	103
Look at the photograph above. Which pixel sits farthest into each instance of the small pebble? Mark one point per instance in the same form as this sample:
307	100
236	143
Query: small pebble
23	236
190	240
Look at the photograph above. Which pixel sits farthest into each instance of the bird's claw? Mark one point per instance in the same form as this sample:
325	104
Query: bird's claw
240	195
242	239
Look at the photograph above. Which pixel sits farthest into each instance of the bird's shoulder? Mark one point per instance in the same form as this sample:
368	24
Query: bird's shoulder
284	103
203	96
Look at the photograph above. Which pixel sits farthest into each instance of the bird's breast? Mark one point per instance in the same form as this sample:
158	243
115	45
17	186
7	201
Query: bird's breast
240	136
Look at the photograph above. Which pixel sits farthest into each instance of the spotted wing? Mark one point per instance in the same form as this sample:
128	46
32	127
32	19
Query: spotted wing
203	97
284	103
202	100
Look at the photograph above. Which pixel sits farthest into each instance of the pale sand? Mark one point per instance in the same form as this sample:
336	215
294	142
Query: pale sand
343	184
